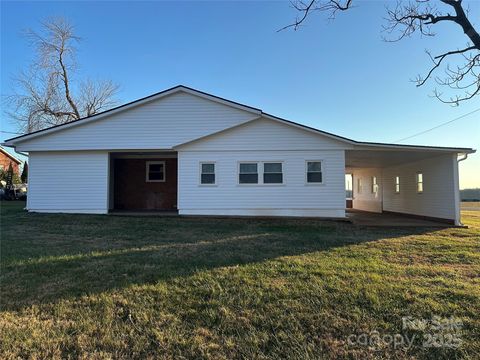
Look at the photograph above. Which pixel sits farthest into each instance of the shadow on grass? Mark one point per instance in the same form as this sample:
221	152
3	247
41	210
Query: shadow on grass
93	254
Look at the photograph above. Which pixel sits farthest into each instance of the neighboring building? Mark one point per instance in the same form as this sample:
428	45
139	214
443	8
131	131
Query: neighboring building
6	159
182	149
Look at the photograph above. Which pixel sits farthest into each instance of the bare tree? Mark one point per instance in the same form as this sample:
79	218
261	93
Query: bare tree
461	65
47	93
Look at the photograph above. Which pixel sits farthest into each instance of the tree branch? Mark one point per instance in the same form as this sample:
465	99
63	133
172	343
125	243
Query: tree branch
331	6
441	57
44	95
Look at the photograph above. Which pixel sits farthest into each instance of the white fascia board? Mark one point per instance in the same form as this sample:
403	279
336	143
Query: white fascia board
389	147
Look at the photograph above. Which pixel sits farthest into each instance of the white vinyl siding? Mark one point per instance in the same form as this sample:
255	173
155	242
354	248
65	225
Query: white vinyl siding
437	199
159	124
68	182
293	198
263	141
265	134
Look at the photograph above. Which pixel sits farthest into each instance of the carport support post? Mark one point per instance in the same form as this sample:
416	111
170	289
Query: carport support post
456	189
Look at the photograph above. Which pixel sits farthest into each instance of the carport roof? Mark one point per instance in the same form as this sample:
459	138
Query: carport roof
390	156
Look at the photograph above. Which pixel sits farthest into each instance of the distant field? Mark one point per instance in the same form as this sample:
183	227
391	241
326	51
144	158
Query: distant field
471	205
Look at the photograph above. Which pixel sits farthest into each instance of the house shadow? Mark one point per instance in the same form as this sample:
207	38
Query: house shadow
44	280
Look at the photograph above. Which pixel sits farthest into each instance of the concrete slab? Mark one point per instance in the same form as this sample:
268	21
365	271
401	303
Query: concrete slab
365	218
158	213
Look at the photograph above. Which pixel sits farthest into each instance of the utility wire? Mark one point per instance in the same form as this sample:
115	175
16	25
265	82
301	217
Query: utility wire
442	124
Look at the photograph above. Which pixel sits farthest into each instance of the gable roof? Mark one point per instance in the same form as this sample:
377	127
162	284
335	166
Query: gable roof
3	151
253	110
131	105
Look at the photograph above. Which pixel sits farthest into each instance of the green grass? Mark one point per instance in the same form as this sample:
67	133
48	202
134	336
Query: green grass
87	286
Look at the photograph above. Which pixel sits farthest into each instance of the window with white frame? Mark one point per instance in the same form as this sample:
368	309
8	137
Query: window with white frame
207	173
419	182
272	173
359	186
155	171
248	173
314	172
374	185
397	184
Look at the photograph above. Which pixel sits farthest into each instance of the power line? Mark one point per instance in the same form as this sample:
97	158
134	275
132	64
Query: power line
9	132
436	127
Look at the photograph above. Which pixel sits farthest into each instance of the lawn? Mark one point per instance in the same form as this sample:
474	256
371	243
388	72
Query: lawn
88	286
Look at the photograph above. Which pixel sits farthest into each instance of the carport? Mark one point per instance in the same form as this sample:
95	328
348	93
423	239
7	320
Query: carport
396	180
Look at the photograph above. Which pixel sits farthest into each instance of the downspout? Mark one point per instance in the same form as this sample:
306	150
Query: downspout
464	157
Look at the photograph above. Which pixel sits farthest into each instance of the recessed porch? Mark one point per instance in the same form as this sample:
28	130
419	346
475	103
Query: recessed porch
143	182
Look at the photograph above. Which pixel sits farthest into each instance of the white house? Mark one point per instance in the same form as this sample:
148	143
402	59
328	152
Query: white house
199	154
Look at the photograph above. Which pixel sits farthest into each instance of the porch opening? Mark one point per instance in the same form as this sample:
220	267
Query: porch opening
143	181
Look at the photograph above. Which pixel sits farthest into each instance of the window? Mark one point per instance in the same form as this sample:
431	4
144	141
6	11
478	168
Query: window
374	185
397	184
248	173
272	173
419	182
359	186
207	173
155	171
314	172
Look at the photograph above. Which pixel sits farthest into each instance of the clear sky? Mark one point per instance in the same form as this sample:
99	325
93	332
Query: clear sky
338	76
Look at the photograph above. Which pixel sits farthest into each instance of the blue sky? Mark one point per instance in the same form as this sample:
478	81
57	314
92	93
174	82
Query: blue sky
338	75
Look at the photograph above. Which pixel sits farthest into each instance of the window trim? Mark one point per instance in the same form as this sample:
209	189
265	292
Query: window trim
419	182
397	184
155	162
322	172
359	185
200	173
